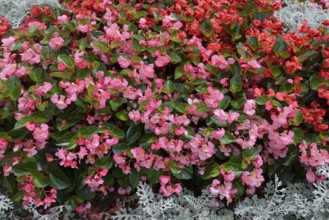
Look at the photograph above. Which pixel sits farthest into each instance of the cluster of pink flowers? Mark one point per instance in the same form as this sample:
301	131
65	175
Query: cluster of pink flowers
166	188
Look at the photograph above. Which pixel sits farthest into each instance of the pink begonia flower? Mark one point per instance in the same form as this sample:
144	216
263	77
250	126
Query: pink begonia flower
221	115
56	42
147	70
42	90
229	177
232	116
61	66
48	200
30	56
59	101
258	162
41	133
177	188
164	180
8	42
162	61
7	170
123	62
49	158
206	151
30	126
134	115
124	191
118	159
219	61
253	178
8	70
62	19
268	106
84	28
225	190
224	82
311	176
254	64
249	107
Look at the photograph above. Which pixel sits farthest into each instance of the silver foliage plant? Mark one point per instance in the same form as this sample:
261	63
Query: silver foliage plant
296	201
184	207
7	211
295	12
16	10
5	205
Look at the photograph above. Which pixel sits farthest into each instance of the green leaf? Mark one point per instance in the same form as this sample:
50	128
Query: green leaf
133	178
83	44
38	75
69	62
179	72
133	134
168	87
153	176
85	193
140	14
16	46
185	174
114	131
181	107
38	179
173	167
261	100
236	31
251	153
225	102
116	103
298	135
174	57
235	83
61	75
207	29
136	46
298	117
23	169
57	178
238	104
230	166
120	148
14	87
227	138
87	131
123	115
71	119
280	48
241	51
252	42
105	162
315	82
101	46
211	171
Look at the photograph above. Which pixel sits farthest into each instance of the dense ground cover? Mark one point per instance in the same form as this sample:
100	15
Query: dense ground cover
103	94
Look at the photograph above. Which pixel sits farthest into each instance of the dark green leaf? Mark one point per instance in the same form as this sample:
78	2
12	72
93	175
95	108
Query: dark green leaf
133	134
207	29
14	87
57	178
38	179
211	171
133	178
87	131
227	138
